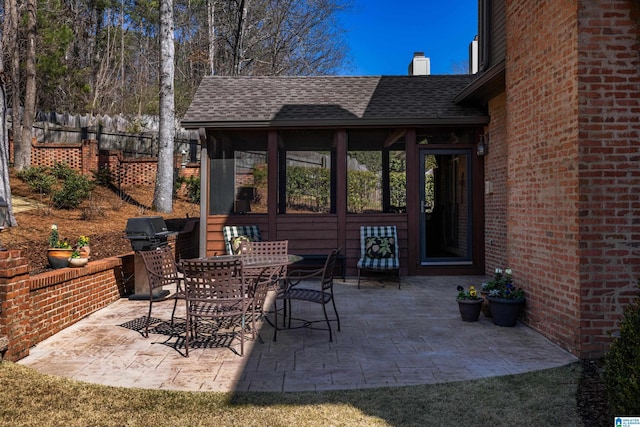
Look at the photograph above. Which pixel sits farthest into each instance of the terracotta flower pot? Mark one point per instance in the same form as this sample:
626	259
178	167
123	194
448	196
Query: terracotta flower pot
486	310
85	251
58	257
470	309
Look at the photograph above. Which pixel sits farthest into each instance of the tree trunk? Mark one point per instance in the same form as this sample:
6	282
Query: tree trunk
23	154
238	54
9	39
211	13
162	199
5	189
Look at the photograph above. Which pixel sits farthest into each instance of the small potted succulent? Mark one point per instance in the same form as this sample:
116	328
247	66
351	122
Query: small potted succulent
469	303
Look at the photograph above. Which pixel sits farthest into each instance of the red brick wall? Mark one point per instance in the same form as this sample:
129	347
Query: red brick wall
609	184
543	160
86	158
32	308
573	171
495	175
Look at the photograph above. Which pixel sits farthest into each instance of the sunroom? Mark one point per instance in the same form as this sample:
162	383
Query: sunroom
311	159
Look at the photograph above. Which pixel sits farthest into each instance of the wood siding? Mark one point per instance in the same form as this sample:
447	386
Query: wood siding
313	234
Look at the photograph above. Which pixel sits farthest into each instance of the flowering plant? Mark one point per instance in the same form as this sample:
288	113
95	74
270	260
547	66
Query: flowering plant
502	285
470	294
55	241
82	241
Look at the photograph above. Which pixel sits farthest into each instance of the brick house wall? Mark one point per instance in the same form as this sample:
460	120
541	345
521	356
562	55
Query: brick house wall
573	168
495	199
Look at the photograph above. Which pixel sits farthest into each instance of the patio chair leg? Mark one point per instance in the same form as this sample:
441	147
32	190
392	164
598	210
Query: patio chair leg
173	313
326	319
146	326
358	278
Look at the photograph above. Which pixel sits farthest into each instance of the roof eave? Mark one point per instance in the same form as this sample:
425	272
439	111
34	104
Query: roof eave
486	86
315	123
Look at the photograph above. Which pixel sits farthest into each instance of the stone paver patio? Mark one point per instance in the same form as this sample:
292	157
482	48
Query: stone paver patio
389	337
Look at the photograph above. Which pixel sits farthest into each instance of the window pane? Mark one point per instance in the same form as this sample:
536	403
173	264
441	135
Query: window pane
308	182
364	181
368	189
238	172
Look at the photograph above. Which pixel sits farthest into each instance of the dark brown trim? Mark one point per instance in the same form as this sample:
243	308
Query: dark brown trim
272	179
413	210
488	85
356	123
341	190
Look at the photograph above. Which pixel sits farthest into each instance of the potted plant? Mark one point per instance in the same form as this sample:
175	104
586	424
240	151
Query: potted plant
469	304
59	250
77	260
505	299
82	245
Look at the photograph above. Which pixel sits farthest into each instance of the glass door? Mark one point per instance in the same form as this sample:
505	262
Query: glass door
445	204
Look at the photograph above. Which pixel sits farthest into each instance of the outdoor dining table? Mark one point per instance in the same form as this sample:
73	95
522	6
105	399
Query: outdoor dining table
262	261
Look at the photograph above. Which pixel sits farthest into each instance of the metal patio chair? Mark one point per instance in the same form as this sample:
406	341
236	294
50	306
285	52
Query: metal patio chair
217	302
263	279
162	271
298	290
379	250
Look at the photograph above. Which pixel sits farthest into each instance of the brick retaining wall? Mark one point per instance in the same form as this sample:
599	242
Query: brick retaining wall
32	308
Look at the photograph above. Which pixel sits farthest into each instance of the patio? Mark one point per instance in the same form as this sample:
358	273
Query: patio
389	337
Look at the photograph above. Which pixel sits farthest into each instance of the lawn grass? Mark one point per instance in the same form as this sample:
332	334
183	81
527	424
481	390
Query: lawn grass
28	398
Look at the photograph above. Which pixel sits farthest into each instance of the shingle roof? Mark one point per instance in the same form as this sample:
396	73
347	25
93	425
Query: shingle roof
330	101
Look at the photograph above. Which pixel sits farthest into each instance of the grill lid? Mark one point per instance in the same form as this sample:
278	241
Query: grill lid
146	227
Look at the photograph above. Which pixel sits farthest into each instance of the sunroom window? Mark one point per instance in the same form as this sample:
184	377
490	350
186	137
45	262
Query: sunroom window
307	181
376	172
238	173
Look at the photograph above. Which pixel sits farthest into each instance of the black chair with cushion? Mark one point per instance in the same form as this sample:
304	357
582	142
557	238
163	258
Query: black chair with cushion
379	250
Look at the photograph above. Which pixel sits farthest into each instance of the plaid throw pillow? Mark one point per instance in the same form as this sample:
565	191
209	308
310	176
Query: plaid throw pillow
380	247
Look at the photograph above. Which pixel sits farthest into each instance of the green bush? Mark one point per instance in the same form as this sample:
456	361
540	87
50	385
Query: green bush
622	365
62	171
75	189
102	176
38	179
361	185
309	188
193	189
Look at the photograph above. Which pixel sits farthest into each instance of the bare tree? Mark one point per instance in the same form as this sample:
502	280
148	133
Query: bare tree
5	188
9	41
162	198
23	149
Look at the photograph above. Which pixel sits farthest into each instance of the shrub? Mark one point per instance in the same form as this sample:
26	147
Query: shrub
193	189
62	171
76	188
102	176
622	365
38	179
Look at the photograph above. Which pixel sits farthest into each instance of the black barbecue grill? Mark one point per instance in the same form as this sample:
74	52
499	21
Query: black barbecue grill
147	232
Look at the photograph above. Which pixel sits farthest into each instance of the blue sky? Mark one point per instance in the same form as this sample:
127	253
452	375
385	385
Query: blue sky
383	34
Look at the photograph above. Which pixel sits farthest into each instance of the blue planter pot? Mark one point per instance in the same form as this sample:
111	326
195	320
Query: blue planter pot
505	312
